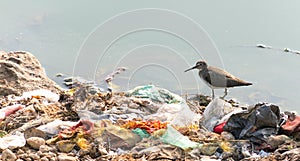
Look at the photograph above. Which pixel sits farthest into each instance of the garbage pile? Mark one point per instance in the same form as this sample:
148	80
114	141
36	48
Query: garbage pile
145	123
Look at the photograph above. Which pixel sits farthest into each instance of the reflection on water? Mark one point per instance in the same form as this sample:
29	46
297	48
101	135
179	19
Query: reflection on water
55	30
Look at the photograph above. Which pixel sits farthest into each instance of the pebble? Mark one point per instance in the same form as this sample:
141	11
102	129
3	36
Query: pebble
53	159
51	155
35	142
45	148
8	155
20	151
275	141
44	159
28	159
34	156
59	75
65	146
22	156
227	135
83	152
64	157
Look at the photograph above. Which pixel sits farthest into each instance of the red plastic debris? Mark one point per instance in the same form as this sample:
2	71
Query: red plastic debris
219	128
292	125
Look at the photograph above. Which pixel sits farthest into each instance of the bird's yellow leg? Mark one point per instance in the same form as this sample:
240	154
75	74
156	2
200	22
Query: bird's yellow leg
225	94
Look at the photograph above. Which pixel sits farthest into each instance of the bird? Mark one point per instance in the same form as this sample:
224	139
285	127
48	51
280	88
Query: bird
217	78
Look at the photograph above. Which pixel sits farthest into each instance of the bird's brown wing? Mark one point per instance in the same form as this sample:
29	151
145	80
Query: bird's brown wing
221	78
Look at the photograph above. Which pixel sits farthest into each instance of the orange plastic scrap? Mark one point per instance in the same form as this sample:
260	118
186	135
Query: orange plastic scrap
149	126
36	96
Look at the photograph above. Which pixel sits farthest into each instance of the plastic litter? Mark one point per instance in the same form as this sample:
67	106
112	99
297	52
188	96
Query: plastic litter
91	116
214	113
67	138
155	94
54	127
141	132
292	126
173	109
256	124
115	136
12	141
185	116
263	153
219	128
173	137
149	126
50	96
6	111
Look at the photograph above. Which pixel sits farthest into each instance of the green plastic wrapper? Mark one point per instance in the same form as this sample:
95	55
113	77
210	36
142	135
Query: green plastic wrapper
141	132
173	137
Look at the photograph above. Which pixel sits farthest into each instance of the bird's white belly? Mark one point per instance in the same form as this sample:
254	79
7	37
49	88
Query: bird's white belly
211	86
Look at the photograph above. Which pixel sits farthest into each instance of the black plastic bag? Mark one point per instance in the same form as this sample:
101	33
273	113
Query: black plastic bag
256	124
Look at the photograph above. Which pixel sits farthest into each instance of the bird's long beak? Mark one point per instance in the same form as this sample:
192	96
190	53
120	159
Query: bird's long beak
191	68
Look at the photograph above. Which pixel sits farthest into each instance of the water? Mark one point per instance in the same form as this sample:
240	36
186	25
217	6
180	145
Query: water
60	34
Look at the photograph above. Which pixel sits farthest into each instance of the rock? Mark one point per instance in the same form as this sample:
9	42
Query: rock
208	149
45	148
65	146
275	141
20	72
51	155
20	151
8	155
34	156
35	142
33	132
64	157
227	135
83	152
44	159
119	137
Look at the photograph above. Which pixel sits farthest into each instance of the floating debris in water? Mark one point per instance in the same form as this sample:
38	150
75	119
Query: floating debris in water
59	75
287	50
263	46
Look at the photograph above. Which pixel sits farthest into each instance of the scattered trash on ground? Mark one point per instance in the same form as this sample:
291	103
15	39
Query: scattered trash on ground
85	122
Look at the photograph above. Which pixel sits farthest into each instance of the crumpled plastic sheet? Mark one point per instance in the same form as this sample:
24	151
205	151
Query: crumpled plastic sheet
173	137
155	94
12	141
88	115
214	112
50	96
177	114
54	127
256	124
